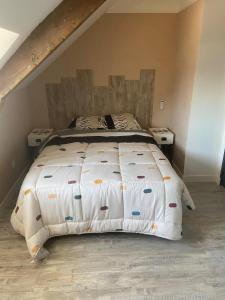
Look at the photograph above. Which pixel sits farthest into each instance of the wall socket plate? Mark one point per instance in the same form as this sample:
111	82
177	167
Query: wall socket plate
162	104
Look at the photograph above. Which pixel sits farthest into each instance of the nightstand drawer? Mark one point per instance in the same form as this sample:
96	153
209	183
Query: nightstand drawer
38	136
162	136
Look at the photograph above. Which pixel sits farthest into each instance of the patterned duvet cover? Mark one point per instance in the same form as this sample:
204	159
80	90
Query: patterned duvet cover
91	182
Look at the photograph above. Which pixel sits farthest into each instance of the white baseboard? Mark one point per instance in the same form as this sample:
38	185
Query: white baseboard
201	178
196	178
14	190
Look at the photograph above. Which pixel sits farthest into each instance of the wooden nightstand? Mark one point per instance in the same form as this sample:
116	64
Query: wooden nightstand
36	138
165	140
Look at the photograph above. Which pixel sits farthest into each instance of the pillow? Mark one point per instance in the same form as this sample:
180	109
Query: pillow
125	121
91	122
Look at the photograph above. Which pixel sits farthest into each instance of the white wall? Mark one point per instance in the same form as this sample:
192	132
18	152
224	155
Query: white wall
15	124
206	133
188	41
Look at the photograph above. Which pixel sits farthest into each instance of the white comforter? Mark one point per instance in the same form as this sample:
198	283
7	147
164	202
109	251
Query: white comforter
83	187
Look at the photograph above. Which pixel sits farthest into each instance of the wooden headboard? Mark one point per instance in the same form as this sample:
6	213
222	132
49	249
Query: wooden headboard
75	96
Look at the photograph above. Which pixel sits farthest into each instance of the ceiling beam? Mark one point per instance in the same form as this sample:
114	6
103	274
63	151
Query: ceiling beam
46	37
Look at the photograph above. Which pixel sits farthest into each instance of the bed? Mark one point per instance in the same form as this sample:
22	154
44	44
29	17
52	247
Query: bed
92	181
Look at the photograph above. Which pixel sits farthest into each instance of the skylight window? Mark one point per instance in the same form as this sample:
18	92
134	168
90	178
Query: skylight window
7	38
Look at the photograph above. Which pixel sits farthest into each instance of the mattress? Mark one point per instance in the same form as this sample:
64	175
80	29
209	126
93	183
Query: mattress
92	182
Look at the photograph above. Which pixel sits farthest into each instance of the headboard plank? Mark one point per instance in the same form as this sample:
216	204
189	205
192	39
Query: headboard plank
117	83
101	100
133	94
75	96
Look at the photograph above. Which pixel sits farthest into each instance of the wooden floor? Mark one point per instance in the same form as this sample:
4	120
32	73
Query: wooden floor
124	266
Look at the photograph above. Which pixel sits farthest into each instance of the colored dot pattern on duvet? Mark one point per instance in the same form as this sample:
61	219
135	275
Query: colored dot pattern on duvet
98	181
172	205
128	180
140	177
136	213
104	207
27	192
35	249
154	227
68	218
52	196
147	191
71	181
38	217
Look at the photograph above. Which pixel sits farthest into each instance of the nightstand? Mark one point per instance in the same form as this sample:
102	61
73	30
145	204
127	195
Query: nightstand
36	138
165	140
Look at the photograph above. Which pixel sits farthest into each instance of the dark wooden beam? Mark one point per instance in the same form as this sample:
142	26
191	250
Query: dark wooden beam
45	38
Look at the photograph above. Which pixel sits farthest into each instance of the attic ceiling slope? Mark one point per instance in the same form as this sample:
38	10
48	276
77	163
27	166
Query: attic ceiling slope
18	18
44	40
149	6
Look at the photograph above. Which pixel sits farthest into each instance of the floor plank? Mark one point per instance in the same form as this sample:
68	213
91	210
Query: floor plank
123	266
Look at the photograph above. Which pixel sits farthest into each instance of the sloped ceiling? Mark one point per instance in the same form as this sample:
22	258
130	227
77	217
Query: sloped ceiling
18	18
22	21
66	19
149	6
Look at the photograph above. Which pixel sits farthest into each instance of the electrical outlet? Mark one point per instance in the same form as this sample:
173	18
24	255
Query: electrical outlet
162	104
